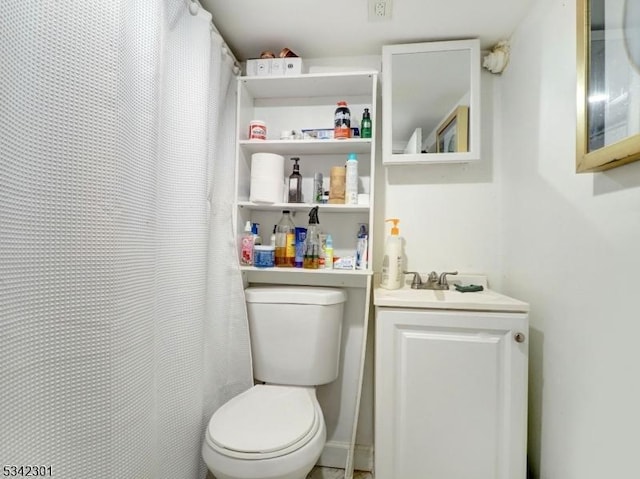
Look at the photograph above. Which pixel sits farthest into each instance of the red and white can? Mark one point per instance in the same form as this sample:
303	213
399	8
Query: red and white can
257	130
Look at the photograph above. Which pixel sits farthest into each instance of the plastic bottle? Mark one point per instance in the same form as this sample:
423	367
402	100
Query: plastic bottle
351	181
365	125
328	253
246	246
342	121
317	188
272	238
337	181
257	240
362	247
295	183
285	241
392	262
312	242
301	236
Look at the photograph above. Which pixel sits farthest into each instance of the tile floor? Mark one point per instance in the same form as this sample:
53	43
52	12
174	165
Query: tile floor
330	473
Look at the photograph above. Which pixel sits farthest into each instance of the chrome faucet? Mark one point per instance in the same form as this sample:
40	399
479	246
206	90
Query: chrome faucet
433	281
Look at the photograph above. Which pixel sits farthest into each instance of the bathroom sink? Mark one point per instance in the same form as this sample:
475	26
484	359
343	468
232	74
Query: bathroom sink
486	300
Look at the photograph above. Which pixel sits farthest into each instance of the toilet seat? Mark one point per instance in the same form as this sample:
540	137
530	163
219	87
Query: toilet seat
264	422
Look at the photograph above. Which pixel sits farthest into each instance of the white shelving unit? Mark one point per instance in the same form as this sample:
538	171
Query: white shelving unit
309	102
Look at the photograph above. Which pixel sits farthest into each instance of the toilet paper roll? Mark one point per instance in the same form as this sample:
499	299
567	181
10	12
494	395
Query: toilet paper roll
265	189
267	165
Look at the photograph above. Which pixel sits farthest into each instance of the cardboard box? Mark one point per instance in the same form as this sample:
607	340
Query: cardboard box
262	67
293	66
277	67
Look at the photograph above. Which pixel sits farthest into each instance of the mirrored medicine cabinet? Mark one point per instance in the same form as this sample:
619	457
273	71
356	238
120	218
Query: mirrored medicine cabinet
431	101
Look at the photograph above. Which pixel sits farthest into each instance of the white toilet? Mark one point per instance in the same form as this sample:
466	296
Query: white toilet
276	430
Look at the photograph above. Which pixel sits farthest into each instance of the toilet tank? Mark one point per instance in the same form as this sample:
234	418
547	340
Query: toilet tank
295	333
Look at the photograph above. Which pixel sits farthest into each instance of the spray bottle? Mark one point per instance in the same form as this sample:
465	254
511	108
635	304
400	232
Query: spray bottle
257	240
312	245
246	246
392	262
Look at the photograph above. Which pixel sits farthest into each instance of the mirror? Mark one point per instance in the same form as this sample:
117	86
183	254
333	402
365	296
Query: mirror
431	102
608	87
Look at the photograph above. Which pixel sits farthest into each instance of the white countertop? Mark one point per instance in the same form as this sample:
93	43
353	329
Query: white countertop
486	300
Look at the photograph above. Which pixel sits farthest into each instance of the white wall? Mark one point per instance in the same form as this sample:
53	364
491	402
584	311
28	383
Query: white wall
567	243
571	247
449	214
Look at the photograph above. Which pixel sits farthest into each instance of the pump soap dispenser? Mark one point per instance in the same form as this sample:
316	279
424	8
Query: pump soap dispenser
295	183
392	262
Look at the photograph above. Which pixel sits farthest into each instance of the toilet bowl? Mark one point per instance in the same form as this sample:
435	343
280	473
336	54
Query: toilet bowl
267	432
276	430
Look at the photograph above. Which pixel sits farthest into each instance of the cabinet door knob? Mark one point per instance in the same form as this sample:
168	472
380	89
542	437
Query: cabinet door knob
519	337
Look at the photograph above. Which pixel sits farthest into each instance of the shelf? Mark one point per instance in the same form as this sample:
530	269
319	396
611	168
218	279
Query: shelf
429	159
307	147
310	85
326	208
310	277
348	272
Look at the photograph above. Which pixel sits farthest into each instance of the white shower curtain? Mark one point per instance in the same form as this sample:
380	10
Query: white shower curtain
117	337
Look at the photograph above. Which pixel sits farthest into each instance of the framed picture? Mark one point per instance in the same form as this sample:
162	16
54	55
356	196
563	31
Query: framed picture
608	84
453	133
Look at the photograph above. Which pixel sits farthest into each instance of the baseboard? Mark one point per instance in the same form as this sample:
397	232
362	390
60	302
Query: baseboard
335	455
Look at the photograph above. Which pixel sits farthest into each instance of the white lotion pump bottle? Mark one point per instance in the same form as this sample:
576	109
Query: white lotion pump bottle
392	274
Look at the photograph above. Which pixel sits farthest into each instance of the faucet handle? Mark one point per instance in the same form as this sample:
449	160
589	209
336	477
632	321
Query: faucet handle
417	280
442	280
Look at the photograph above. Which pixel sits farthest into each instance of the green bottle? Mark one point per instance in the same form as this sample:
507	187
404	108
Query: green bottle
365	125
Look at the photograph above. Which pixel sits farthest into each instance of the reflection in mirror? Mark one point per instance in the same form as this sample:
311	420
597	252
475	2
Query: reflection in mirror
431	98
428	88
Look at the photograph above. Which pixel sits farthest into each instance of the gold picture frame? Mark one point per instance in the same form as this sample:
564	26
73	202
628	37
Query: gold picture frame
608	57
453	133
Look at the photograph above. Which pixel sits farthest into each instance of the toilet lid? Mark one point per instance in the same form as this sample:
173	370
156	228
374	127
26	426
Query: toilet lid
263	419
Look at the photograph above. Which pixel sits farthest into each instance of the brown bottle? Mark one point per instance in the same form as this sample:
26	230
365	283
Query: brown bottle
342	121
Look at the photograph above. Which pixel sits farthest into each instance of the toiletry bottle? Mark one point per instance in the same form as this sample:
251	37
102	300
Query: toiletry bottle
362	247
272	239
285	241
257	240
328	253
246	246
392	275
365	125
317	188
351	181
342	121
295	183
312	241
301	237
337	185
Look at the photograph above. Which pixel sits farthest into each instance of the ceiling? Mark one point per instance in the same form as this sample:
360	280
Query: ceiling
333	28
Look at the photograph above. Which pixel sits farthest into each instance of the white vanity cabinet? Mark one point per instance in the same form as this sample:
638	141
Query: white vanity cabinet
450	394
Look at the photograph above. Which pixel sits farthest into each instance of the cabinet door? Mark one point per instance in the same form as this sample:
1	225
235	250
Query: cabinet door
450	395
